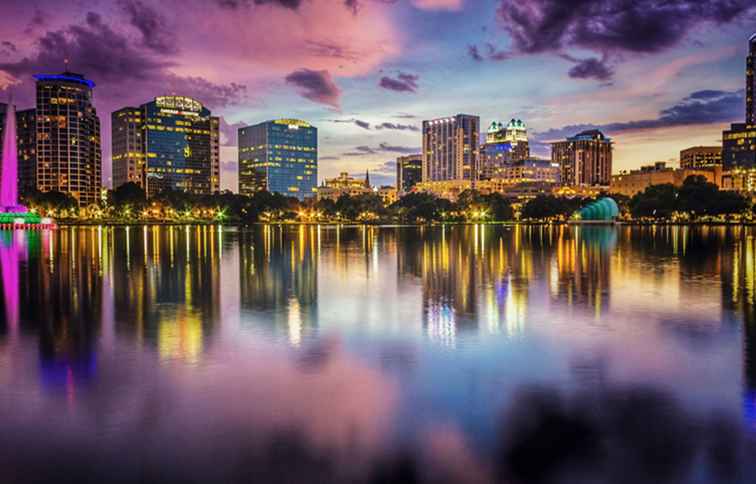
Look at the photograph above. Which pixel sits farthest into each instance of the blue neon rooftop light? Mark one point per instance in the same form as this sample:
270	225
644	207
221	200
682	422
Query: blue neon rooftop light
69	77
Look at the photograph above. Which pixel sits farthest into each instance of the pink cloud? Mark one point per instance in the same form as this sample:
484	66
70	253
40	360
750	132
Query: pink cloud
438	4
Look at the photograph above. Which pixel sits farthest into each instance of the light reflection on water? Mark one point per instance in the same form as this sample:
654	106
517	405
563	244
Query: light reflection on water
365	334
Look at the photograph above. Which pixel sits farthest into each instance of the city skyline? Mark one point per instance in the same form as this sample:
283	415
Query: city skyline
369	86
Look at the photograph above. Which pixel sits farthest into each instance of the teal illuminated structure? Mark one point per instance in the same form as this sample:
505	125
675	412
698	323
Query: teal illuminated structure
603	210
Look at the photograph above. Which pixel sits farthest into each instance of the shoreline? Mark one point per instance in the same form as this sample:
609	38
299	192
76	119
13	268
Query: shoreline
632	223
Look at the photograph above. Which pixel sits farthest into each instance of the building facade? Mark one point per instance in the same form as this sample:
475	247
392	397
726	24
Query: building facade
344	184
451	148
530	171
701	157
629	183
67	130
585	159
280	156
504	145
170	143
127	141
751	82
409	172
739	147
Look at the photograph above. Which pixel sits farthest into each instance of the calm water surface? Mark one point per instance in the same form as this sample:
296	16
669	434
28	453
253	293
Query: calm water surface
149	346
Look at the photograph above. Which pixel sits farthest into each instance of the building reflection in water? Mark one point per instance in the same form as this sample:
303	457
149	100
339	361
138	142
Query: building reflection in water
82	290
279	278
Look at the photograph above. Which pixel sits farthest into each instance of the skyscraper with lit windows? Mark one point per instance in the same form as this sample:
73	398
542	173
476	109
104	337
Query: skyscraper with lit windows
170	143
280	156
751	82
451	148
585	159
68	151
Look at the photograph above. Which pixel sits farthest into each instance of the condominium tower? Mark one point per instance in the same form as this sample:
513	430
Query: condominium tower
451	148
68	155
585	159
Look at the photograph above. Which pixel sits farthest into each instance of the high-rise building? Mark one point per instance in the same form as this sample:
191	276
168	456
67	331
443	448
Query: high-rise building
280	156
751	82
127	141
585	159
504	145
170	143
450	148
67	130
409	172
739	142
701	157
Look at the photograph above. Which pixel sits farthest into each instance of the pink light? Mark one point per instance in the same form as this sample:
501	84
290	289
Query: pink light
9	175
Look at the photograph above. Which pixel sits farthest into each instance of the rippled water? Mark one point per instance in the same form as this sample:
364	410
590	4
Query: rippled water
200	351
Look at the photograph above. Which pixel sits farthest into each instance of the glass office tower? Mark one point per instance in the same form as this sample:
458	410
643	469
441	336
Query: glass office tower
171	143
280	156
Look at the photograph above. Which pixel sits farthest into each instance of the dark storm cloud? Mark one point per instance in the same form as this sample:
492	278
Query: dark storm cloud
402	83
92	47
700	107
317	86
156	34
113	61
591	68
608	27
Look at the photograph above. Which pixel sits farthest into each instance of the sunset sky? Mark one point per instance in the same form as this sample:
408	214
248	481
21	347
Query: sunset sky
658	76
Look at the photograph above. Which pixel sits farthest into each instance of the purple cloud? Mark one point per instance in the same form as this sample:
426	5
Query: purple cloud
156	34
609	27
591	68
403	83
317	86
700	107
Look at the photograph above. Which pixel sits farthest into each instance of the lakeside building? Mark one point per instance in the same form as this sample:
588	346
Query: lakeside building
388	194
58	142
344	184
739	142
504	145
172	142
451	189
740	179
451	148
739	147
280	156
585	159
532	170
701	157
629	183
751	82
409	172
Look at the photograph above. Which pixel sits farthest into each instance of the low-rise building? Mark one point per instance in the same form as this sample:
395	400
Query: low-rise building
740	179
529	171
629	183
701	157
388	194
344	184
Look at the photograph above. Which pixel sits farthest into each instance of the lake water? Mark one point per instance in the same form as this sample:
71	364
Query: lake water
383	354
